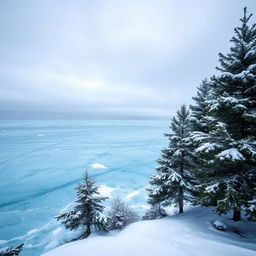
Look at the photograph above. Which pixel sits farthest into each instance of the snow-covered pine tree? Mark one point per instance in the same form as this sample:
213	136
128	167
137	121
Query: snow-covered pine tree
202	123
200	118
87	212
229	150
121	214
12	251
173	183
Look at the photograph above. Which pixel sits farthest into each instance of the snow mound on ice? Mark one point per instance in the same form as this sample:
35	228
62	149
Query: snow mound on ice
105	190
98	166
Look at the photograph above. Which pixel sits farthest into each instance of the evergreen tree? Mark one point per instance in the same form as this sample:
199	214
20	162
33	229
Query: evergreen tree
200	118
173	183
87	212
121	214
228	150
202	123
12	251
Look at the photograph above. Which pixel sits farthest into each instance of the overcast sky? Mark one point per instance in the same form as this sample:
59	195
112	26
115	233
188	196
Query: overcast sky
104	59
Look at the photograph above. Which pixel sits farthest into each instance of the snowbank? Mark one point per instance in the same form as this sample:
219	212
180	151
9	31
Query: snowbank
188	234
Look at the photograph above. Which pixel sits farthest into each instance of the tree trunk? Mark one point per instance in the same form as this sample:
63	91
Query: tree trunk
181	200
236	215
214	201
88	231
159	209
181	197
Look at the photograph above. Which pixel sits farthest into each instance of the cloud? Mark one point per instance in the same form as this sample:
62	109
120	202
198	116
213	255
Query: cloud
131	58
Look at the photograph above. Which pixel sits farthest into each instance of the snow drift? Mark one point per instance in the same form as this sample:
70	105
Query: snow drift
190	234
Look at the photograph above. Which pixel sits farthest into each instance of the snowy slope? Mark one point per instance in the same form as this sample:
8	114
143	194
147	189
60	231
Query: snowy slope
190	234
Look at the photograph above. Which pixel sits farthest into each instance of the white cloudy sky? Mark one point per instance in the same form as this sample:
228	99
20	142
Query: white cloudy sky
84	59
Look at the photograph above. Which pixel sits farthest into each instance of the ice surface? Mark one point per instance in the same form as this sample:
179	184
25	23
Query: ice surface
42	161
131	195
187	234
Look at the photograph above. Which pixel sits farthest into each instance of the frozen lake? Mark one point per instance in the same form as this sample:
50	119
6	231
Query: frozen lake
42	161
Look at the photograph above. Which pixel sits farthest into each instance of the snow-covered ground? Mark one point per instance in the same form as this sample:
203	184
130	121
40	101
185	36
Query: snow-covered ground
42	161
188	234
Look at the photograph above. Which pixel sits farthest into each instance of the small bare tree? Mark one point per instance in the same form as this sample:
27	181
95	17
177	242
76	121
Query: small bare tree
121	214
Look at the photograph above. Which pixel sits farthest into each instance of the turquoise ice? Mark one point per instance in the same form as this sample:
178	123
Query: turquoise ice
42	161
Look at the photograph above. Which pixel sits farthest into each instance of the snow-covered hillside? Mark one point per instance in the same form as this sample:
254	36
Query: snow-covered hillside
191	233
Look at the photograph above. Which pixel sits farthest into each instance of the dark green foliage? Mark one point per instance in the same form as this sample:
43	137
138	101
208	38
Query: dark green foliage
200	118
12	251
87	212
173	183
227	150
202	123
